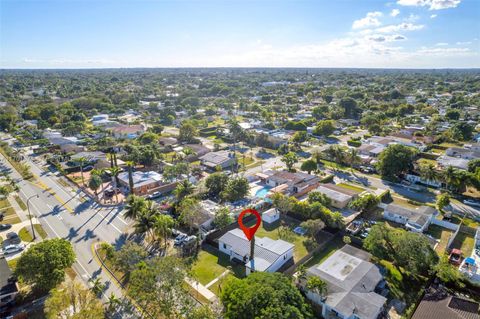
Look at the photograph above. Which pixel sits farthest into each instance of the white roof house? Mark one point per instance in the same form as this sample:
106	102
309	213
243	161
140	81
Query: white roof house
270	255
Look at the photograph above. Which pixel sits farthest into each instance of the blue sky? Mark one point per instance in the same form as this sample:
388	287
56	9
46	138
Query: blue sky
244	33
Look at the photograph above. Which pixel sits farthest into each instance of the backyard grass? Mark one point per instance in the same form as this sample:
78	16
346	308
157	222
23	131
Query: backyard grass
441	234
12	263
25	235
20	202
326	252
216	288
464	242
426	161
207	267
352	187
272	231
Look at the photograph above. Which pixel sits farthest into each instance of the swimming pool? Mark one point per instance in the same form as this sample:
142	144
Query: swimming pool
262	192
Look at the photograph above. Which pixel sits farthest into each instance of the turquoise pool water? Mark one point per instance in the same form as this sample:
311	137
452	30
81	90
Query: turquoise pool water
262	192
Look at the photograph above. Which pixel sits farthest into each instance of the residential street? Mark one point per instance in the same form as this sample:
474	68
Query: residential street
64	215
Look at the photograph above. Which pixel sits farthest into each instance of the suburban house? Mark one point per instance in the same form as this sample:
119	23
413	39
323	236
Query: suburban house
416	220
295	184
270	216
57	138
8	284
466	153
445	161
223	159
339	196
127	131
270	255
167	141
198	149
439	303
208	208
352	281
146	182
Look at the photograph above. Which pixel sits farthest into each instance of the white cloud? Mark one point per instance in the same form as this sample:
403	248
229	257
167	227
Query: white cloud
432	4
371	20
445	51
394	12
386	38
412	18
464	43
439	44
400	27
433	16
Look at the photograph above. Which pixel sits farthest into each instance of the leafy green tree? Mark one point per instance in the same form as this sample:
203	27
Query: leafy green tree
448	273
442	201
237	188
162	227
159	286
365	203
222	218
129	256
43	265
317	197
184	189
316	285
216	183
395	160
324	128
148	138
73	301
349	106
473	165
264	296
94	184
309	166
190	211
135	205
312	226
188	132
290	159
283	203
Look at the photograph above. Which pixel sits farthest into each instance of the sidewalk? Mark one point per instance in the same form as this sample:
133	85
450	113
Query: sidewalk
201	289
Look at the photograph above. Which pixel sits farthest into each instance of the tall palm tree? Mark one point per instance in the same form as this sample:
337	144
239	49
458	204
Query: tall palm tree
145	221
130	165
427	172
81	161
112	303
183	189
163	227
135	205
353	157
449	177
114	171
99	172
97	285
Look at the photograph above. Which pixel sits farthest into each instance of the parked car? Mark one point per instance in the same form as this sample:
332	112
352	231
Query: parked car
154	195
455	257
189	240
13	238
2	215
471	202
12	249
5	226
179	239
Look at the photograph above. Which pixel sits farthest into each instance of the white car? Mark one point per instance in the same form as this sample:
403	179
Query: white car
471	202
12	249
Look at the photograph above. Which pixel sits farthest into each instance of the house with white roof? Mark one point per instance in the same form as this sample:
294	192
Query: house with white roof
269	255
146	182
351	283
416	220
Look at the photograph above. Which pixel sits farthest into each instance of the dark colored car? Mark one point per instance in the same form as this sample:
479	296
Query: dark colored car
5	226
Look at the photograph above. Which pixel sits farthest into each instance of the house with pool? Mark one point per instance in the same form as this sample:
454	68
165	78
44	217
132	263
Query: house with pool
292	184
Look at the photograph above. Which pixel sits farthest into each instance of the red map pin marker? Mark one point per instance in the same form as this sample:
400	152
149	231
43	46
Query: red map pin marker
249	232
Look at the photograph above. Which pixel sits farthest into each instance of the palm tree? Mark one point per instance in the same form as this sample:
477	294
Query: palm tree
130	165
427	172
97	285
183	189
135	205
317	286
81	161
98	172
112	303
114	171
162	227
94	184
353	157
449	176
146	219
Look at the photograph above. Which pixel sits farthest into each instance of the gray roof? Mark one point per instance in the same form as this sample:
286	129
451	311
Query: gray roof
216	158
455	162
334	194
141	178
419	216
267	250
351	281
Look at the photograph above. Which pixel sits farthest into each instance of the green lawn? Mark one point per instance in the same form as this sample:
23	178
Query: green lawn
25	235
352	187
442	234
217	287
210	263
272	231
40	231
12	263
4	203
464	242
326	252
10	216
20	202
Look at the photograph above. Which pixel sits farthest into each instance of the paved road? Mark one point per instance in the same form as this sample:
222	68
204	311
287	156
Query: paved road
64	214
